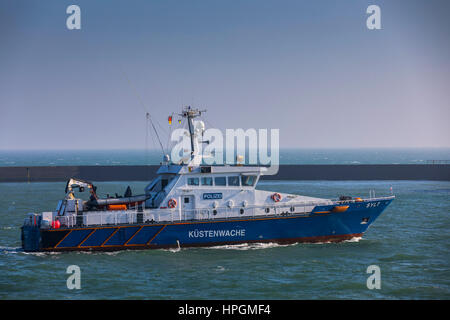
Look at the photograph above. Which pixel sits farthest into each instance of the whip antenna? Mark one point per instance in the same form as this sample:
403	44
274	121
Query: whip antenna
145	109
156	132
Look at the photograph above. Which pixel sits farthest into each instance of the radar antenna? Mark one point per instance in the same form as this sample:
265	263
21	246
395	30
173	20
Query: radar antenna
190	114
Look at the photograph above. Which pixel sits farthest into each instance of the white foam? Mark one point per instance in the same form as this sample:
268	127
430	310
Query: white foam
354	239
108	253
41	254
172	250
241	246
8	250
251	246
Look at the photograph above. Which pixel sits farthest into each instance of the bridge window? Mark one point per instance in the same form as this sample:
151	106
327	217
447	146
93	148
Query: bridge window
205	169
233	181
248	181
220	181
207	181
193	181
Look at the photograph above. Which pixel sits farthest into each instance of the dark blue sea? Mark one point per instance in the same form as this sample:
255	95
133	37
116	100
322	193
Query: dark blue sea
410	243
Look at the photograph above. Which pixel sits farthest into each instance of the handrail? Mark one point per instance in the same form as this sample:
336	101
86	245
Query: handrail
171	215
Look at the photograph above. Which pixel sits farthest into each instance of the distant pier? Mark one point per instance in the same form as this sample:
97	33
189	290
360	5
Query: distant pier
436	172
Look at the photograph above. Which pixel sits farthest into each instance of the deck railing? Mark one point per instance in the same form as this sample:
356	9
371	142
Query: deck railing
176	214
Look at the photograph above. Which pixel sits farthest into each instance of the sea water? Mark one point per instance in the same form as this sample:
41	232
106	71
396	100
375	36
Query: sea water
409	242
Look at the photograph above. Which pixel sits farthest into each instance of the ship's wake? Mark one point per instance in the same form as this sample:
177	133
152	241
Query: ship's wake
9	250
251	246
260	245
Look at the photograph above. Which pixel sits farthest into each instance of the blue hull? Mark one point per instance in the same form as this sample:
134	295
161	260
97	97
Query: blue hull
321	225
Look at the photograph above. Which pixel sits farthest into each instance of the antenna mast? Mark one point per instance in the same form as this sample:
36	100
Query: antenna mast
190	114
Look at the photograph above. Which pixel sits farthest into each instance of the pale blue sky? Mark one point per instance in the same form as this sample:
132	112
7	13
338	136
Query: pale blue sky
311	69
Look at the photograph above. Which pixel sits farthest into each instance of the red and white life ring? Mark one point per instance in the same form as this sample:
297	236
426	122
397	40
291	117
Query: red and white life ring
276	197
172	203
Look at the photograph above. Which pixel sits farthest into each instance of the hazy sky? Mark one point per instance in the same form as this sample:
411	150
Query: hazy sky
310	68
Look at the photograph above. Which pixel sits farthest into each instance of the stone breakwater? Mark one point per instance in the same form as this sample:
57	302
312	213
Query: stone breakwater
338	172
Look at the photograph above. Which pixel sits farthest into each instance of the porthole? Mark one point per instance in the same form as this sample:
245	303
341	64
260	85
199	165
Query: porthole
292	209
241	211
214	212
267	210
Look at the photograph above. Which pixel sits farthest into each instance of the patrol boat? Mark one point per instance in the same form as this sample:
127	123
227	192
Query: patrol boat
190	204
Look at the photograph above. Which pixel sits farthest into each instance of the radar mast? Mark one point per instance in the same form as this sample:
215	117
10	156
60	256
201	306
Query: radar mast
191	114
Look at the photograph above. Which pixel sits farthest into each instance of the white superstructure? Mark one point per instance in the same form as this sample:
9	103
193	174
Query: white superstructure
185	191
